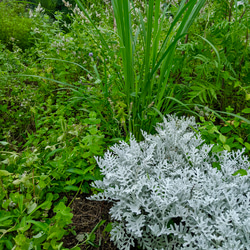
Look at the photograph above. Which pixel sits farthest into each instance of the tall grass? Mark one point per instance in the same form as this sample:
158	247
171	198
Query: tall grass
146	73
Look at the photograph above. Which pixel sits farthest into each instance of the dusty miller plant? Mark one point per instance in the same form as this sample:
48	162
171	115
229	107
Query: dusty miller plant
168	194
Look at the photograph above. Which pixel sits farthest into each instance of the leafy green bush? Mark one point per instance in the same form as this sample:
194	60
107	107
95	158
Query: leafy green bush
15	25
231	134
216	63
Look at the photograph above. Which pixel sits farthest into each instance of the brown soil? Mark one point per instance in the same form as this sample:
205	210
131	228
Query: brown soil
87	214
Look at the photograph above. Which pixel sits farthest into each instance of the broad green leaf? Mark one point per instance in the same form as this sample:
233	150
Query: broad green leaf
9	244
6	218
227	147
4	143
246	111
241	172
39	235
6	223
223	138
75	248
225	129
71	188
240	140
247	145
4	173
31	207
24	225
75	171
39	224
88	177
217	149
79	171
52	153
20	202
108	228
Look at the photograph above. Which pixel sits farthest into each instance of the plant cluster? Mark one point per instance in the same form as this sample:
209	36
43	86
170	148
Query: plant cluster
74	82
171	192
55	161
49	138
15	25
217	52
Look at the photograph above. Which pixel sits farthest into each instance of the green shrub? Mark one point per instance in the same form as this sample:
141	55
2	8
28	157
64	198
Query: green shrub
14	25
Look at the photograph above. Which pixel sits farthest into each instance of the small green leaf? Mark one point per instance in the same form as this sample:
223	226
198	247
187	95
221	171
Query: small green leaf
217	149
39	224
89	177
4	143
53	152
23	226
9	244
216	165
39	235
6	218
212	130
31	207
75	248
239	140
223	138
241	172
79	171
236	124
4	173
227	147
71	188
225	129
75	171
247	145
246	111
108	228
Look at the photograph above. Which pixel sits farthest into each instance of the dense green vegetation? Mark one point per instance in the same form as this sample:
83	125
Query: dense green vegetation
73	82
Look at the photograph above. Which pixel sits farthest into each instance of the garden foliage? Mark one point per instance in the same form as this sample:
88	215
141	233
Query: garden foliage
65	97
15	26
171	192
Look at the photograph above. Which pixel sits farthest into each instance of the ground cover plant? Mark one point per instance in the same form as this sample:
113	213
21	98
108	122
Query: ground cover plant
73	83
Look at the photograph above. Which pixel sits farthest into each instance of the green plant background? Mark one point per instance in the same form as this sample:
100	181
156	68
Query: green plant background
68	92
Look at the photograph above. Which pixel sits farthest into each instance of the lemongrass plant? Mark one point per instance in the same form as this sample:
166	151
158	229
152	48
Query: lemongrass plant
145	80
146	75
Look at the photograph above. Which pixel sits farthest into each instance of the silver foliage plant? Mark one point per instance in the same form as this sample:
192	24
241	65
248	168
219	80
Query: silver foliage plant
167	194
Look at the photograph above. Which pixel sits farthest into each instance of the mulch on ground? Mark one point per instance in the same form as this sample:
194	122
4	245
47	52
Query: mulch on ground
87	214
